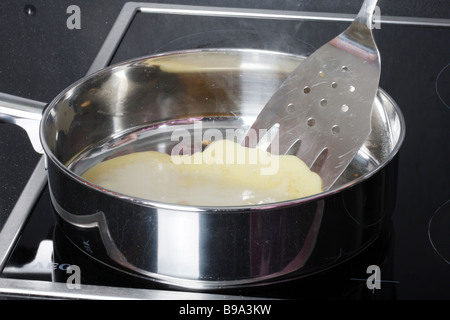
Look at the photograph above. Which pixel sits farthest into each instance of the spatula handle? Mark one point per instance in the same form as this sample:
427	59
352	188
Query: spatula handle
365	15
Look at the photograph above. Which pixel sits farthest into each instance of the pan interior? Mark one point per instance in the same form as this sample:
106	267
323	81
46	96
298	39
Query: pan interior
156	103
192	134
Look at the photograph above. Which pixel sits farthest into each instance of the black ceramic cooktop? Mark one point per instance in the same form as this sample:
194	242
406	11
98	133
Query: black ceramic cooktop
413	251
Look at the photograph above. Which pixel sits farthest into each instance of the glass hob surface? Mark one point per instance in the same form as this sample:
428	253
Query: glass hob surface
413	250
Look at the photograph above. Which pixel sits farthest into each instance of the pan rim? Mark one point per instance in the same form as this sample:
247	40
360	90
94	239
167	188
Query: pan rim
211	209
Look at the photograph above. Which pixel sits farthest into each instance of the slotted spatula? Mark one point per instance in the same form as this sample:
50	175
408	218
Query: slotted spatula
322	111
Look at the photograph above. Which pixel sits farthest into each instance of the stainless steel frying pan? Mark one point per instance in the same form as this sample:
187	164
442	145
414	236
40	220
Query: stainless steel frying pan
136	106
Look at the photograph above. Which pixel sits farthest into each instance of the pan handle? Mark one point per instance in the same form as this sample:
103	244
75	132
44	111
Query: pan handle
25	113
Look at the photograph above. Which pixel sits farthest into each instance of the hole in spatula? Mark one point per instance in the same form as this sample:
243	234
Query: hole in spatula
293	149
320	160
335	129
290	108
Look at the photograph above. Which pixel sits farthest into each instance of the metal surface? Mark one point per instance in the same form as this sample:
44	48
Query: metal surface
322	111
13	226
30	289
213	247
24	113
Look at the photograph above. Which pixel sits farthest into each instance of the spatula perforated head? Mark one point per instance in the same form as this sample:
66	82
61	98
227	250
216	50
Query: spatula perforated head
322	111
